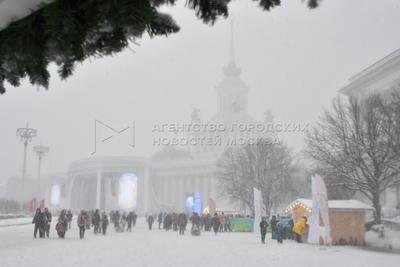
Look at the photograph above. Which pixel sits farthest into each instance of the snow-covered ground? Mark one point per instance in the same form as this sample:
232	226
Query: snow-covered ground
390	240
159	248
15	221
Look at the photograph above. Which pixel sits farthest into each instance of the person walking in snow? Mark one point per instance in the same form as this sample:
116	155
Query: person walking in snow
134	218
87	220
160	220
62	224
150	220
280	231
221	222
263	229
175	221
96	221
195	220
182	222
69	217
116	218
298	228
274	223
104	223
47	215
82	224
39	223
167	222
216	223
129	220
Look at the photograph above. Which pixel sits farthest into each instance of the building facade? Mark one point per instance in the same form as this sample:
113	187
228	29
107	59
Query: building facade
382	77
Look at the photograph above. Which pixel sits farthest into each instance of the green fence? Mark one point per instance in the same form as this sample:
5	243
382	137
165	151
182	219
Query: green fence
242	224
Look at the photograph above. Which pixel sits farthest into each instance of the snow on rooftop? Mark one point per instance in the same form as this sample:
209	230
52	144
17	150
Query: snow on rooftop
395	54
351	204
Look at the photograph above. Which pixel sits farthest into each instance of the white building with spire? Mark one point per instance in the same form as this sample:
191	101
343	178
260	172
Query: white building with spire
175	177
178	171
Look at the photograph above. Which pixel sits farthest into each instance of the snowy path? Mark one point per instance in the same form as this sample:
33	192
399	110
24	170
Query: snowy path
160	248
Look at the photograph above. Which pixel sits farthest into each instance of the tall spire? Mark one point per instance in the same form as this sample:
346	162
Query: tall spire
232	69
232	44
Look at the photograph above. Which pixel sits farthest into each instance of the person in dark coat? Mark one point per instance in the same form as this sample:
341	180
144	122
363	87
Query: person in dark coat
195	220
47	214
175	221
167	222
182	222
150	221
215	222
280	231
134	218
82	224
116	219
274	223
69	217
160	220
87	220
96	221
263	229
290	232
62	224
39	222
104	223
129	221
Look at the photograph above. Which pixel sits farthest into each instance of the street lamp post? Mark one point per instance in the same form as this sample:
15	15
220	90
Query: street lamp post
26	134
40	152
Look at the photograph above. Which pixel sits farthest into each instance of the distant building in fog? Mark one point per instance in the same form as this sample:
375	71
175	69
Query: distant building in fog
381	77
13	188
179	177
178	171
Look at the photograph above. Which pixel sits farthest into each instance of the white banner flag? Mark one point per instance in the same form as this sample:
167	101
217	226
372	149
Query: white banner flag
313	232
257	209
319	210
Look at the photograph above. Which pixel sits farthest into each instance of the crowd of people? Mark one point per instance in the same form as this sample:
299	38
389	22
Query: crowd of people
42	221
282	229
205	222
85	220
125	221
179	221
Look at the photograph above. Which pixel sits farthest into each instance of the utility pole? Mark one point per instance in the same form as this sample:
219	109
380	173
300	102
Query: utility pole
40	152
26	134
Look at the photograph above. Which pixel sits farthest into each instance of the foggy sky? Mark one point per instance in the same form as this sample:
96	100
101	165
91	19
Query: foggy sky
294	60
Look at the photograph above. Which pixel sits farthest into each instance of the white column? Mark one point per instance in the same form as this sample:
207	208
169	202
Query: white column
98	189
70	189
146	191
181	197
209	187
165	184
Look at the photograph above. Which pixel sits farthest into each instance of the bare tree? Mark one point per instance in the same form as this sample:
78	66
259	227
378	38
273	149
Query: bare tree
264	165
357	143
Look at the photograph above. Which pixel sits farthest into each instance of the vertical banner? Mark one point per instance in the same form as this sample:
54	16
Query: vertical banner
32	205
324	209
257	209
320	209
313	232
